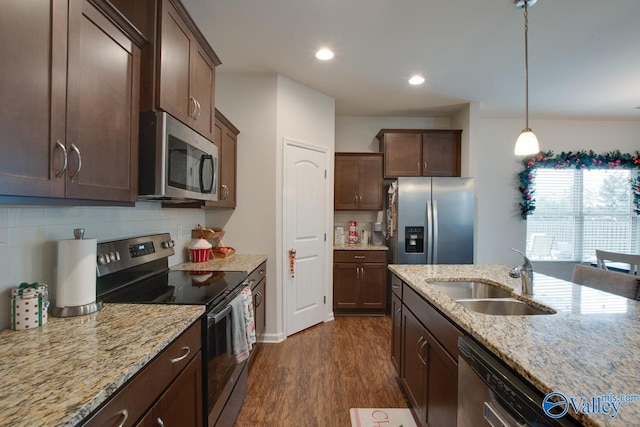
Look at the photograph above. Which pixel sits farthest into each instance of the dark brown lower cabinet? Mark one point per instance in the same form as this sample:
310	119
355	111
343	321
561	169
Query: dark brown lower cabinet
428	370
359	281
396	331
180	405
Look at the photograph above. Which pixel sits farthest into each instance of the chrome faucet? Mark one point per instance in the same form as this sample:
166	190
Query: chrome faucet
525	272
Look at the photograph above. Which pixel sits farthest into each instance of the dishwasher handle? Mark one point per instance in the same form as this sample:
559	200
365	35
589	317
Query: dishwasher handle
497	416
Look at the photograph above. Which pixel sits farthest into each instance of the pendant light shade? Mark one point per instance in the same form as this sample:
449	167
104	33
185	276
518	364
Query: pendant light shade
527	142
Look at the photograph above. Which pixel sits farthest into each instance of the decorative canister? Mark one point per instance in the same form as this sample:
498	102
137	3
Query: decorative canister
353	232
29	304
200	250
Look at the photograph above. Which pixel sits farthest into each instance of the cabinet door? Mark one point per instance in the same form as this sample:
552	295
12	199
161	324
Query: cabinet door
414	363
402	154
442	386
33	42
396	332
346	182
441	153
370	182
181	404
176	45
228	161
345	285
102	107
202	91
373	289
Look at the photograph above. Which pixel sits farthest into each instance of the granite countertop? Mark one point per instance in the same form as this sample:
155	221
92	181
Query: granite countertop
59	373
589	348
236	262
359	247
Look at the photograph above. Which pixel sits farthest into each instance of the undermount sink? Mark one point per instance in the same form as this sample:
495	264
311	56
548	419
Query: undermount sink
501	307
470	290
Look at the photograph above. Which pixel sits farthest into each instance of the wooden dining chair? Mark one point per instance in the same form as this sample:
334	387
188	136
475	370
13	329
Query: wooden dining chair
632	259
622	284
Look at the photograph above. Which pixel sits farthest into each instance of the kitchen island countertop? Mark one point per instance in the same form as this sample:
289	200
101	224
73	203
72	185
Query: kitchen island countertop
236	262
589	348
59	373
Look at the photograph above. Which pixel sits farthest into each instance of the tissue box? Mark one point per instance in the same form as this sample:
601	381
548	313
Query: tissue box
29	304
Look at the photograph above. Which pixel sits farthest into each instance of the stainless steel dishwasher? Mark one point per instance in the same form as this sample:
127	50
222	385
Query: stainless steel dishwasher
490	394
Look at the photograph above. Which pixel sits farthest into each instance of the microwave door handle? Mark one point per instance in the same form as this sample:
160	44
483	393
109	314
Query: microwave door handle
202	159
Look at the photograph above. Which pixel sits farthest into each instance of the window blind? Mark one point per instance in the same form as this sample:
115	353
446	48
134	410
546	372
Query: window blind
578	211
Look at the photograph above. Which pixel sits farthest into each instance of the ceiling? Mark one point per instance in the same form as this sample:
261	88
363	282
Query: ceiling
584	55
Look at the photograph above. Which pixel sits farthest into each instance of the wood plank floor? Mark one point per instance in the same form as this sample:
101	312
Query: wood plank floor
315	376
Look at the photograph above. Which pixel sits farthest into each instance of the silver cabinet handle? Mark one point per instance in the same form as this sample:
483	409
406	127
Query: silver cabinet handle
225	191
359	256
160	422
394	286
258	299
191	113
199	110
124	414
356	199
418	163
77	151
420	352
180	358
424	165
60	145
398	317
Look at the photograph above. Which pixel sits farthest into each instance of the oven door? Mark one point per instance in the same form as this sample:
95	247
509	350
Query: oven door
226	380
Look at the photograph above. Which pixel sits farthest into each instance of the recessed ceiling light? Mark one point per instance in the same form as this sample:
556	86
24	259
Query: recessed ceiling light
324	54
416	80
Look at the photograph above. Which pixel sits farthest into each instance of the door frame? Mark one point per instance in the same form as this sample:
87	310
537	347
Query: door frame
328	226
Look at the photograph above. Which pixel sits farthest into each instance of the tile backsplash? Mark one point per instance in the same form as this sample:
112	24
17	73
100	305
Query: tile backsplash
29	235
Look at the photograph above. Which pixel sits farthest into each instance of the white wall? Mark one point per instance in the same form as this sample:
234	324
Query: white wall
495	168
28	237
266	108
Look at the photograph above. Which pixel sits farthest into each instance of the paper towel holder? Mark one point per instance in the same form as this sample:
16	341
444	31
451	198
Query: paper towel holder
78	310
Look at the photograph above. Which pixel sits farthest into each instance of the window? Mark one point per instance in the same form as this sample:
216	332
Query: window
579	210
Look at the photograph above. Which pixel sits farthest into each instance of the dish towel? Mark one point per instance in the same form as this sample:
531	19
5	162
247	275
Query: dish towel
242	323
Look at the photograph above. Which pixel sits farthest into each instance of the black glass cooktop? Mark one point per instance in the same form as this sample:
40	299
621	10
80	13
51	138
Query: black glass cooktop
179	287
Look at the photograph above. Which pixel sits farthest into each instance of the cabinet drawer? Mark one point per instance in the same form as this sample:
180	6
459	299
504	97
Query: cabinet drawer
439	326
257	275
135	397
359	256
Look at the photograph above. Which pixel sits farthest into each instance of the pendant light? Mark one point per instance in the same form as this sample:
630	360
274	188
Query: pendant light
527	142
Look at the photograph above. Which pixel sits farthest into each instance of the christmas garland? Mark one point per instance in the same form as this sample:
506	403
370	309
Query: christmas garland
577	160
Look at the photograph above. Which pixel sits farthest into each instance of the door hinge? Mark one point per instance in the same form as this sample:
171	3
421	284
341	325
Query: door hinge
325	174
325	237
325	299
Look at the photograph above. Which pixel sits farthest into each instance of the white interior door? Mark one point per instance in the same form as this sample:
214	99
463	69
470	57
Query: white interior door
304	200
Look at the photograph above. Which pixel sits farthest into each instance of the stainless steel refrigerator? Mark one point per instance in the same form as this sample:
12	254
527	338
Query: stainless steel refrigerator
431	221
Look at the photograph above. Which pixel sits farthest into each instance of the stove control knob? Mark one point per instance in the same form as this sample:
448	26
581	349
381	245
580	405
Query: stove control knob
117	255
165	245
101	259
112	257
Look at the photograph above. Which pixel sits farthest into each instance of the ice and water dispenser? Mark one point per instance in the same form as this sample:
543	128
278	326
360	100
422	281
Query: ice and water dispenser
414	239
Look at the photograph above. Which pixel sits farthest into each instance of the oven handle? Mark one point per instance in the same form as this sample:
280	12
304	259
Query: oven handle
215	318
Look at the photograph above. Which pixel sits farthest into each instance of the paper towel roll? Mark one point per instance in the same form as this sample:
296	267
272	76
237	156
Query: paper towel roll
76	276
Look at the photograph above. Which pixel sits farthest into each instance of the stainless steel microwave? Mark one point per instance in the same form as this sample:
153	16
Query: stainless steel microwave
175	163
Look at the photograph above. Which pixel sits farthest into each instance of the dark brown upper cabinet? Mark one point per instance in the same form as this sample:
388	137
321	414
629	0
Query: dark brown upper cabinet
226	138
69	101
358	181
187	64
420	152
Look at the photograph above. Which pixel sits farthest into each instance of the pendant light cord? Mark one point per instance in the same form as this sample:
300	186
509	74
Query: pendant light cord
526	66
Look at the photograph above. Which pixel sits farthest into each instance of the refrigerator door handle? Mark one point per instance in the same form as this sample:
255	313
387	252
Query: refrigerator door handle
434	225
429	234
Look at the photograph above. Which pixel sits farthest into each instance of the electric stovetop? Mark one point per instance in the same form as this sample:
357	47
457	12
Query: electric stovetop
179	287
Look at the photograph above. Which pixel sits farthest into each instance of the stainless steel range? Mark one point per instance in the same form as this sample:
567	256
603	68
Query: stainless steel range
135	270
